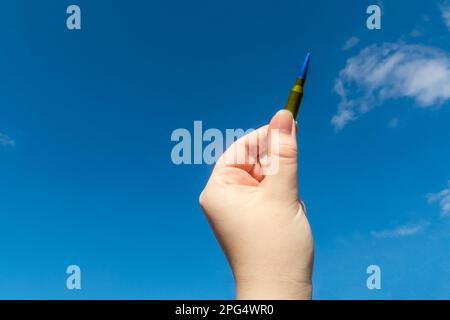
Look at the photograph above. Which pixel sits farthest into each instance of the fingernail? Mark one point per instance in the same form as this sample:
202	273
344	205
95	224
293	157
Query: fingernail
283	121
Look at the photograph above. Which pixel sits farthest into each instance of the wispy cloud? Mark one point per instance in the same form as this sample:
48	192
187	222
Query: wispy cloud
421	28
445	11
443	198
416	32
391	70
350	43
400	231
393	123
6	140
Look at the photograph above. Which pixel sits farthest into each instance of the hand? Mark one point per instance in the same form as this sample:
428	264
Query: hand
257	216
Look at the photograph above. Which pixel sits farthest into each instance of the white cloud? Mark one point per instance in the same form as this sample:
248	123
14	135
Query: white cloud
350	43
401	231
391	70
6	140
443	197
445	10
415	33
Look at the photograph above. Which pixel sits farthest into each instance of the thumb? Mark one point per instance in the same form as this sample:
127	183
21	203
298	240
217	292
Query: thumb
282	153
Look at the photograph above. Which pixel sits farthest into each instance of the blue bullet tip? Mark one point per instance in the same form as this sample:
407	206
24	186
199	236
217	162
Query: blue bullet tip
305	66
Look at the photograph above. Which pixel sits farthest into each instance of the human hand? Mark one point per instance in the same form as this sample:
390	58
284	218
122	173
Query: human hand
257	216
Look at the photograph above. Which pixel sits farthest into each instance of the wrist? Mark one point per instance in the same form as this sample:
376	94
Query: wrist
272	288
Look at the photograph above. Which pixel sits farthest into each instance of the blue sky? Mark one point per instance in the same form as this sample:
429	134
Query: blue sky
86	118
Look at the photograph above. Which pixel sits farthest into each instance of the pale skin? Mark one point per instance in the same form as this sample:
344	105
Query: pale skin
258	217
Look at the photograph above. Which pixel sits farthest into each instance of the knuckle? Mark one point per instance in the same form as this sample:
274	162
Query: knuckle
287	150
201	198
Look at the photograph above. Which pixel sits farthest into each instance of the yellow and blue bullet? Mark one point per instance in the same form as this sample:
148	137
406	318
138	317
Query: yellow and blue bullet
295	97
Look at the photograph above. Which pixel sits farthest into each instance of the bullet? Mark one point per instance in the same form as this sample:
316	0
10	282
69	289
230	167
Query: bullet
296	95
